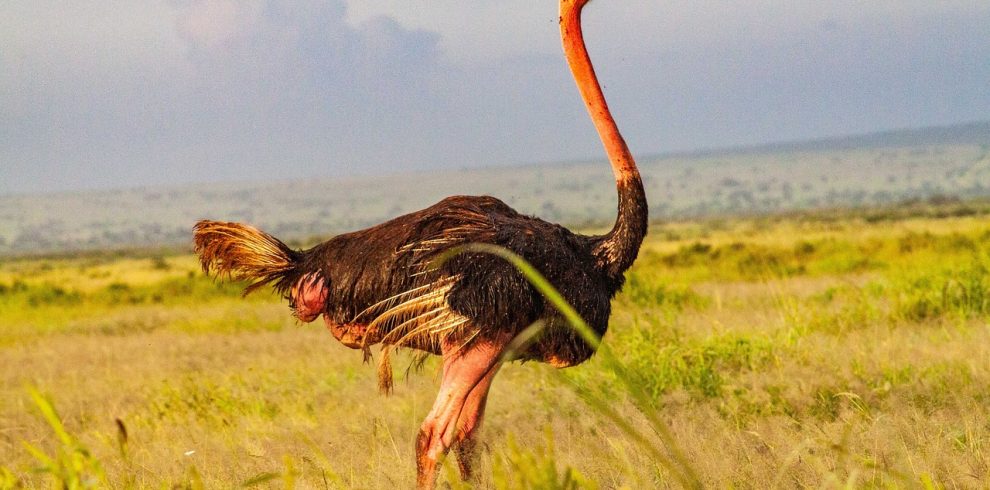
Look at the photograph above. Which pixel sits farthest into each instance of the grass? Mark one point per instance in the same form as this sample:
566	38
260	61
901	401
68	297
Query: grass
798	351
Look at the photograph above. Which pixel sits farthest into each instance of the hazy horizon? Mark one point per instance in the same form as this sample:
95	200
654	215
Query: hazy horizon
393	172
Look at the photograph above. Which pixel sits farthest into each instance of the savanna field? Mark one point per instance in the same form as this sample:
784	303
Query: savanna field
822	350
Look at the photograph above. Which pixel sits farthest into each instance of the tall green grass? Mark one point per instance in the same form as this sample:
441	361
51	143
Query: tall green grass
960	292
667	452
69	464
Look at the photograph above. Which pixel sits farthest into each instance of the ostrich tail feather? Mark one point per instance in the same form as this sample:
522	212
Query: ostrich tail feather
244	253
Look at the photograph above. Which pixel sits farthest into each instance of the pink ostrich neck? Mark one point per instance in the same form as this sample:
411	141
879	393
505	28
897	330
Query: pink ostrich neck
623	164
616	250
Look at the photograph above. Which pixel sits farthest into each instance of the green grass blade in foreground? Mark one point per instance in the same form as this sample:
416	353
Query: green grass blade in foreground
72	466
678	463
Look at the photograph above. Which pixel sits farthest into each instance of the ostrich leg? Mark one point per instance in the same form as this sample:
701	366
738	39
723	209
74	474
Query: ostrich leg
467	375
468	424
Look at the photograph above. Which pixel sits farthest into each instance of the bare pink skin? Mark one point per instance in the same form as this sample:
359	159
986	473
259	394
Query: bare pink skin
349	334
459	407
309	296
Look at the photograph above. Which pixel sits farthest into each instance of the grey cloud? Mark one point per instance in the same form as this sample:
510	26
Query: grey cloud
273	89
308	47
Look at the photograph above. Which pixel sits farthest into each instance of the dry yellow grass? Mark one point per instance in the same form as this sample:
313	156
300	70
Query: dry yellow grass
847	362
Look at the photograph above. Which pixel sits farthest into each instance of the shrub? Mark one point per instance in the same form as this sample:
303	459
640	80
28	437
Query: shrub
962	292
648	292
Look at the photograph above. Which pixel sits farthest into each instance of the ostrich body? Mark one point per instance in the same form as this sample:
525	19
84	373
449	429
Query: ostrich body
382	285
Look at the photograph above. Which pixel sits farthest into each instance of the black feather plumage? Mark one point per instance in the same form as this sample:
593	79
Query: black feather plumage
364	268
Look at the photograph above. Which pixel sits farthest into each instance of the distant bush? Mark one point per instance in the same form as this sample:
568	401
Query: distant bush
15	287
688	255
739	259
701	367
159	263
646	292
963	292
953	242
51	294
171	289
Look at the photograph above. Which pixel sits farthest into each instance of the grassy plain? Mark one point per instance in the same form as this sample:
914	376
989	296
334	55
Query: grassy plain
810	350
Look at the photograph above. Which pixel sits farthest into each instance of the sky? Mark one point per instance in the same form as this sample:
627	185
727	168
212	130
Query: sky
127	93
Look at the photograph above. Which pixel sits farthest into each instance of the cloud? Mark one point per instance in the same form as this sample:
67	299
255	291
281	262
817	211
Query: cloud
262	89
213	25
308	46
176	91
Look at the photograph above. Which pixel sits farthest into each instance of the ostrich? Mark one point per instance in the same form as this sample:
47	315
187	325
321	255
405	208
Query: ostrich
384	284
